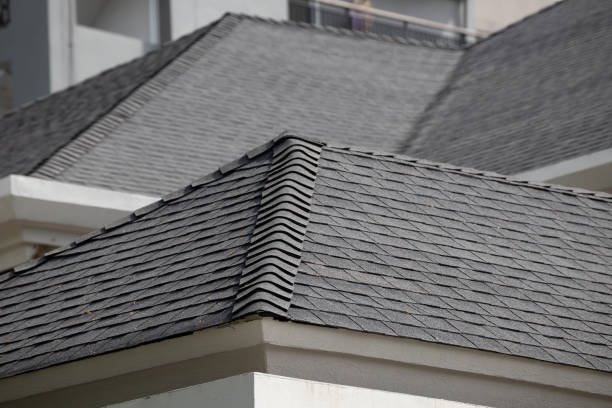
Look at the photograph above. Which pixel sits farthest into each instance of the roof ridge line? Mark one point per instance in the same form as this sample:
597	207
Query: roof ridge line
442	44
275	249
95	132
489	175
175	195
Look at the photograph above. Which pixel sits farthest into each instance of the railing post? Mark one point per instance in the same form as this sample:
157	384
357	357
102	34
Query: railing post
316	8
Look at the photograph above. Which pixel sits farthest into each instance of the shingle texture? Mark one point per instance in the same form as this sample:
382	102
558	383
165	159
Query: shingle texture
534	94
172	270
440	255
31	135
392	246
224	94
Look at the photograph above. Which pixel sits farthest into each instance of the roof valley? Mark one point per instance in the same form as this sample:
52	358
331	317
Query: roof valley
274	254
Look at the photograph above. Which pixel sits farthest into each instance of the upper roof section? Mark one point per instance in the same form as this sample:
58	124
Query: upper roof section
158	122
33	133
331	236
534	94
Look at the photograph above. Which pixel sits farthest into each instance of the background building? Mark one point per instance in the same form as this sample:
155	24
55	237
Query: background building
47	45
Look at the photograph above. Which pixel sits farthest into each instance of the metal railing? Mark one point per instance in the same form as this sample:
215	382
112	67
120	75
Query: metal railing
343	14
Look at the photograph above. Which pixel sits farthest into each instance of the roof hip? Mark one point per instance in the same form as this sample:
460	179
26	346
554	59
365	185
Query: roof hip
274	254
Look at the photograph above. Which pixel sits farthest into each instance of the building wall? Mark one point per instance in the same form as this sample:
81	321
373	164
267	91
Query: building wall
257	390
493	15
188	15
131	18
24	50
117	48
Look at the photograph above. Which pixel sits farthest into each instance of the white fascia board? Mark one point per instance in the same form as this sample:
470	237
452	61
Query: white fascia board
558	172
434	355
259	390
24	198
283	344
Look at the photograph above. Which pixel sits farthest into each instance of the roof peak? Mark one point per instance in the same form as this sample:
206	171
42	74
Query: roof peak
275	250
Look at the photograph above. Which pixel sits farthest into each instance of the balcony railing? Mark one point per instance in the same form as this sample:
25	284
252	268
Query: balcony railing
355	17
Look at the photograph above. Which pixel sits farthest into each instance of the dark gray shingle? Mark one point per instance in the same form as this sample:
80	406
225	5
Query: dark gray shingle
33	133
222	92
534	94
377	255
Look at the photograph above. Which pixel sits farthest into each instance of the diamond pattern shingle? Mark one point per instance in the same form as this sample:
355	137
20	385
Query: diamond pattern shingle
172	270
393	246
419	251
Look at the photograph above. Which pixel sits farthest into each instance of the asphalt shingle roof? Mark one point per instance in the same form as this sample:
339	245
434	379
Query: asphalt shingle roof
532	95
337	237
204	100
34	133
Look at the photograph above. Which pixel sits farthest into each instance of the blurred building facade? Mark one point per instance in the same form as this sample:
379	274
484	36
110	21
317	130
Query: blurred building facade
48	45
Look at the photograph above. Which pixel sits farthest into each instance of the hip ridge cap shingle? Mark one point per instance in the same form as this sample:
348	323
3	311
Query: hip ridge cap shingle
275	250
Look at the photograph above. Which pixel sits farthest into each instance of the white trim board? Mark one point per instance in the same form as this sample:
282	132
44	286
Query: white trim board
33	199
314	353
592	171
38	213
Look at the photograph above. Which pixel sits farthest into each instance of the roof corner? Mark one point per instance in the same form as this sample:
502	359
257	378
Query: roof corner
275	250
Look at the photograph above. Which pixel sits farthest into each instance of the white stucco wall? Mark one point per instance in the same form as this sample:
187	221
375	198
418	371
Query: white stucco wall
130	18
96	50
188	15
257	390
493	15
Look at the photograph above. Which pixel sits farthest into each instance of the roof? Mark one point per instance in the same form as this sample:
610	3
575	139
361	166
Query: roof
156	123
331	236
534	94
35	132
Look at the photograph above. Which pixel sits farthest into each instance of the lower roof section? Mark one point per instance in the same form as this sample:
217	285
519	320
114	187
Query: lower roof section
259	390
335	237
314	353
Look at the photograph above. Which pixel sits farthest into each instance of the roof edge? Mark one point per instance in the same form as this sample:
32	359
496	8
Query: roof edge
489	175
211	177
298	338
274	254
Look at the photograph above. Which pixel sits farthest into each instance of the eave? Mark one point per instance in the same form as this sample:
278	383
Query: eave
314	353
591	171
42	214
